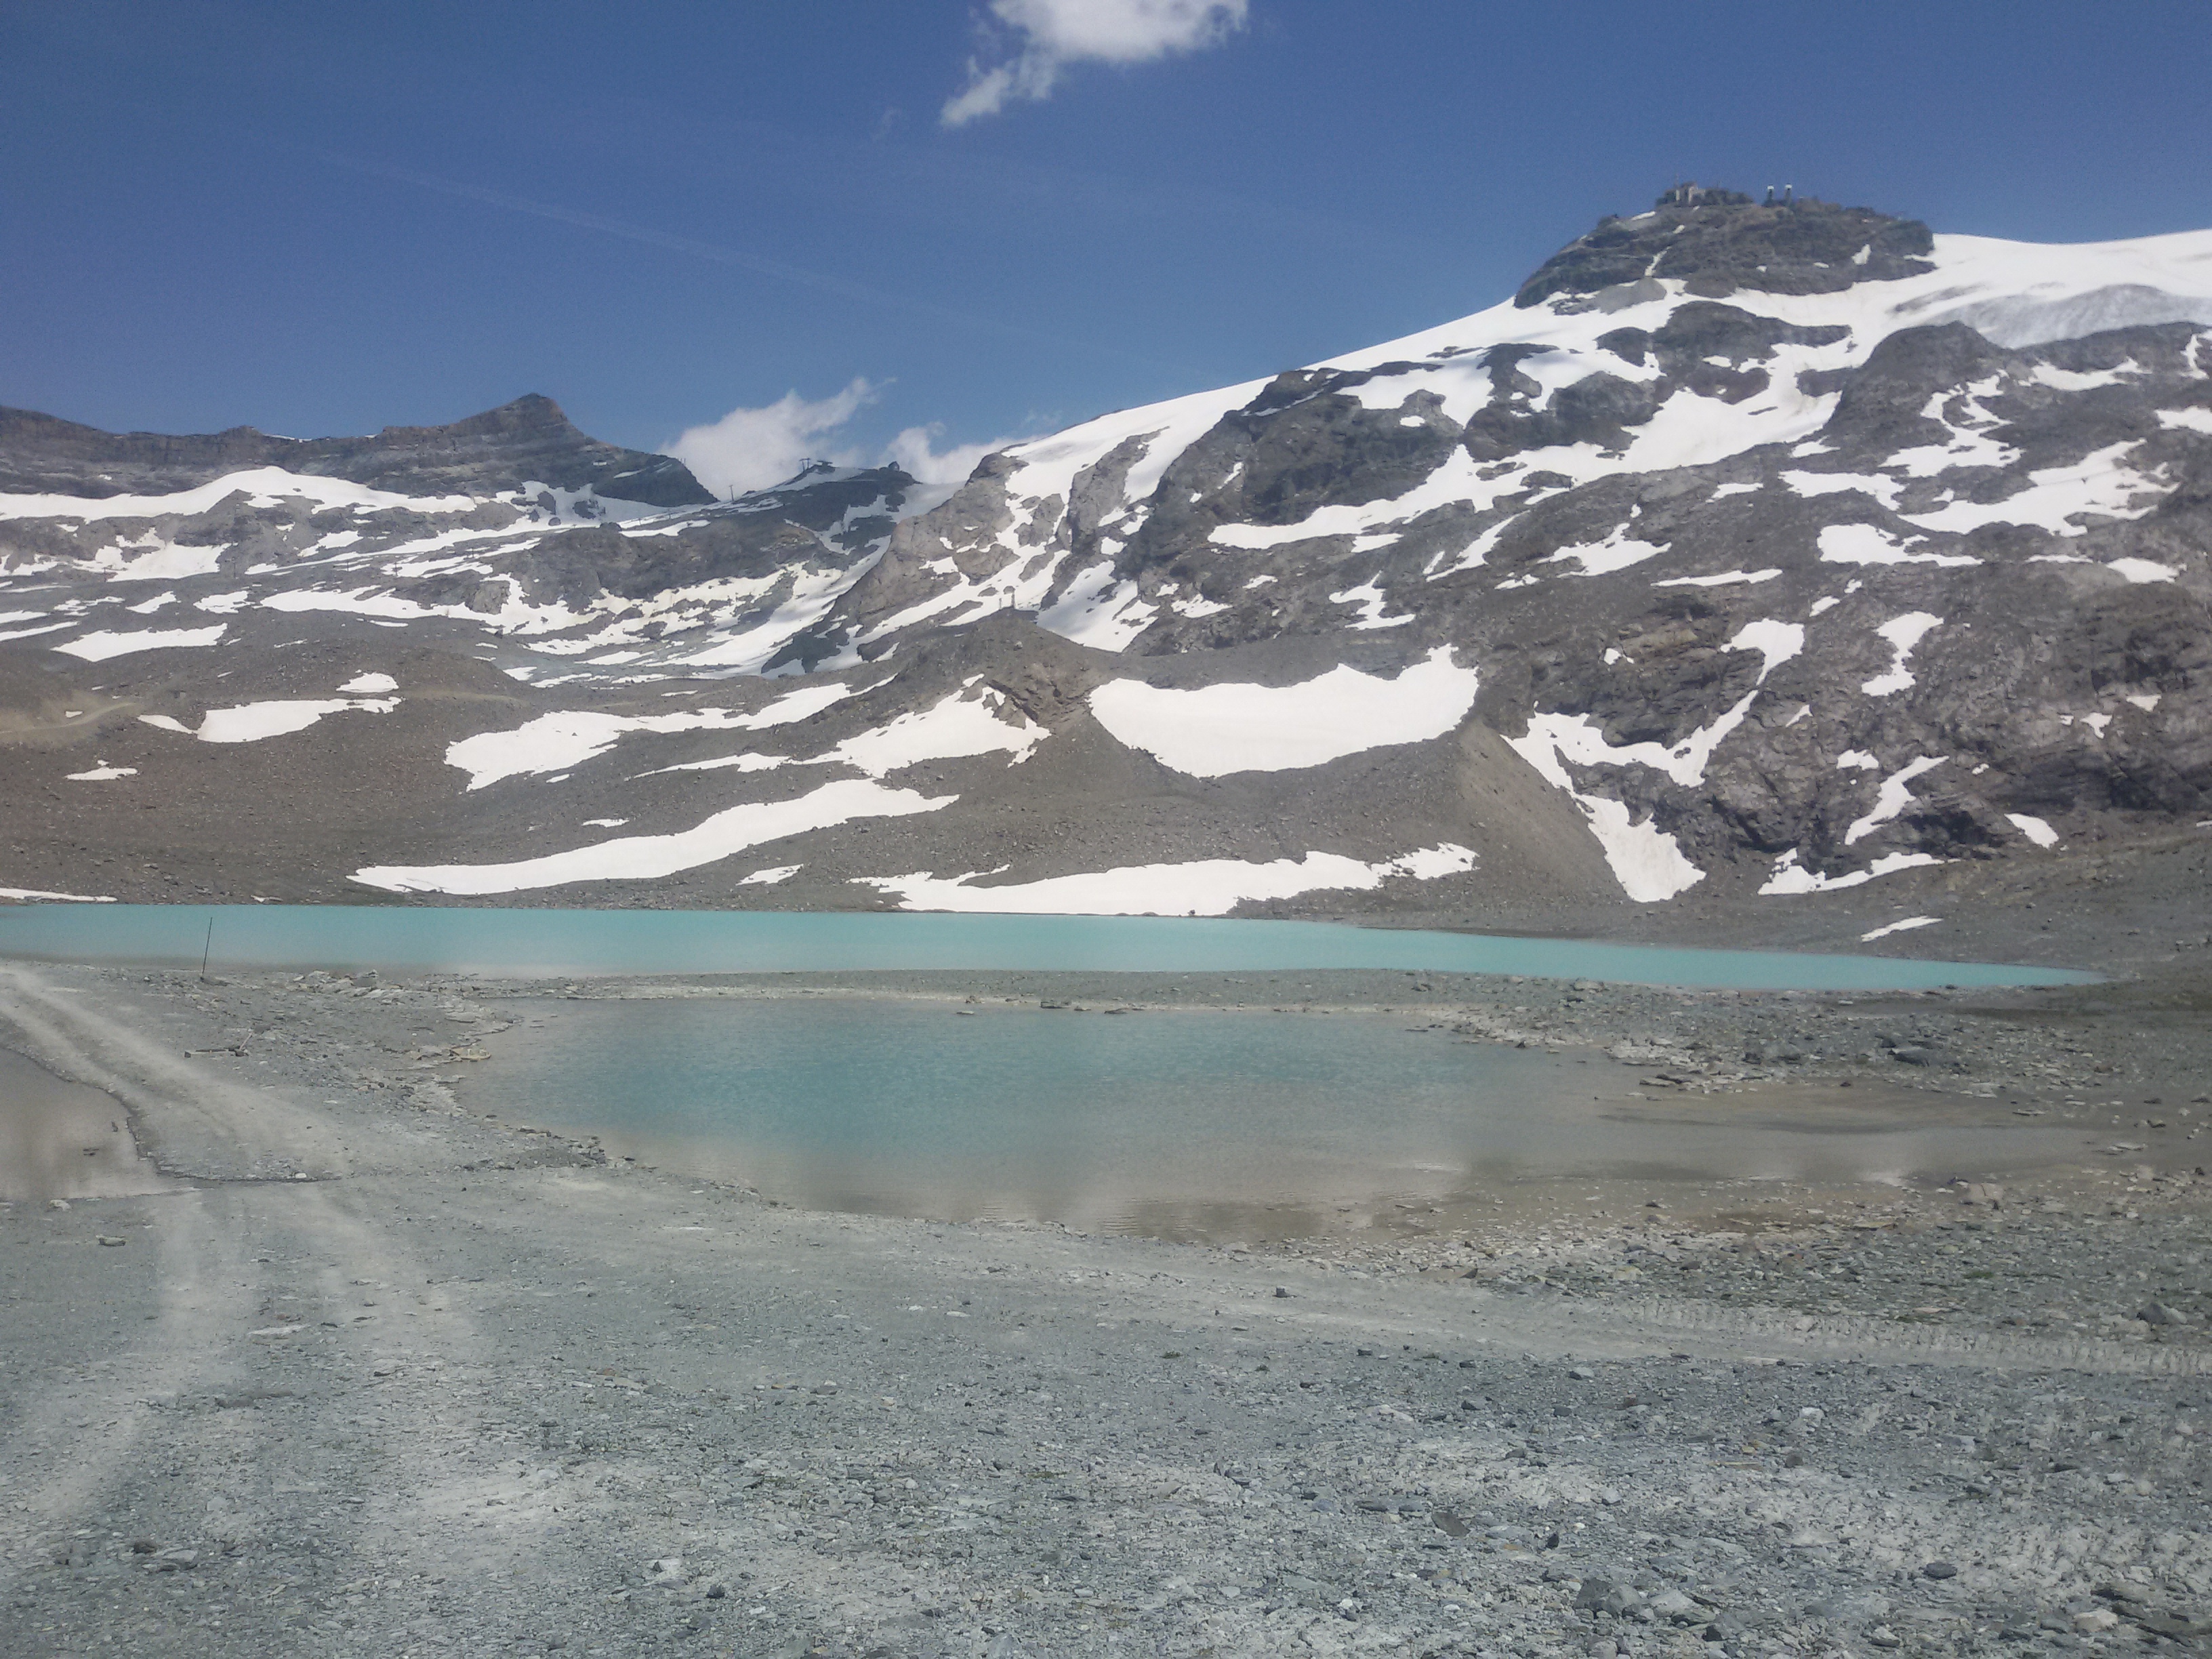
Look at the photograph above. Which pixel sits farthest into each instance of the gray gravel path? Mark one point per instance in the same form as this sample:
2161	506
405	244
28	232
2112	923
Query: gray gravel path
370	1375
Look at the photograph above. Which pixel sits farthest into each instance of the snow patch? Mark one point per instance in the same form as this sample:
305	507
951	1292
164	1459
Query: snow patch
1213	730
560	741
1904	926
251	722
2033	827
1903	633
1724	579
1883	489
1775	641
745	763
1371	599
99	648
1647	862
1892	798
642	858
2099	484
1098	611
958	726
1789	877
1616	552
1862	544
265	485
1207	887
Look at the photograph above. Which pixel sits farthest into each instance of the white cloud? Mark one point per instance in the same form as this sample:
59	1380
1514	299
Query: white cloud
913	449
1055	33
753	448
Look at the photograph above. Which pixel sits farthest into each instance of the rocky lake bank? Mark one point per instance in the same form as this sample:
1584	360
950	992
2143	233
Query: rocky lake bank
358	1369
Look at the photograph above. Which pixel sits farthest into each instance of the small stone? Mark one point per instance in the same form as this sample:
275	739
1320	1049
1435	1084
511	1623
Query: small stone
112	1242
1581	1373
1883	1636
1671	1604
1607	1596
2154	1313
2090	1621
1939	1569
1281	1291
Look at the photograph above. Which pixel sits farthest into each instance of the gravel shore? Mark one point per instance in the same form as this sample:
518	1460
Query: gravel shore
366	1373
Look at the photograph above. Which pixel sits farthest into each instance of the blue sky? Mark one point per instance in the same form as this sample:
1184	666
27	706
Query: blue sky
321	218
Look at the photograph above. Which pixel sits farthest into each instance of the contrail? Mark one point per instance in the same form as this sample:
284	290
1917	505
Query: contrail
819	281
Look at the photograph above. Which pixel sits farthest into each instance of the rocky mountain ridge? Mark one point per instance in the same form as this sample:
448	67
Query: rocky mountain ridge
528	439
1750	553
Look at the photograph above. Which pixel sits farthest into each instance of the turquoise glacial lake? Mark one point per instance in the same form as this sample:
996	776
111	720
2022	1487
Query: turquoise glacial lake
554	944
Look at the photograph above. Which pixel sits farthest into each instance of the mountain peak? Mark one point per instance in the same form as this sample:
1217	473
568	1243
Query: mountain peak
532	412
1721	241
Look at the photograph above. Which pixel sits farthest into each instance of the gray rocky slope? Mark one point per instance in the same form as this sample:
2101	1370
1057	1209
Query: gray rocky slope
1750	554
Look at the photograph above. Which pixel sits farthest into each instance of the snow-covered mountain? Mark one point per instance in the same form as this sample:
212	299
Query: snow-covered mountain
1750	552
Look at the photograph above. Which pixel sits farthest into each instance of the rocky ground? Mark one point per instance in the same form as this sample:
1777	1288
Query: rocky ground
368	1374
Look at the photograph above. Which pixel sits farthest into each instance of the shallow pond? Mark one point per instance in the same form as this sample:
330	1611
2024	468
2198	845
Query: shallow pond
1187	1123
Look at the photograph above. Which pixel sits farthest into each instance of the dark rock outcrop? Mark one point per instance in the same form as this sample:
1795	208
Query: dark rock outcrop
1722	243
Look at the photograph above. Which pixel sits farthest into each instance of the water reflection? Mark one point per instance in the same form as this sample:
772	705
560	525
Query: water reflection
63	1140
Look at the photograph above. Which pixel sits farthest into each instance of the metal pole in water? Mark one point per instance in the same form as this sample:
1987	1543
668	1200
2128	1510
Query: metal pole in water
207	946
